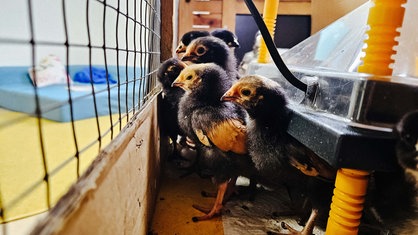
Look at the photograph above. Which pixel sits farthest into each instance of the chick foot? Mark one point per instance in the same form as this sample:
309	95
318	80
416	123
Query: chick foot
307	230
217	207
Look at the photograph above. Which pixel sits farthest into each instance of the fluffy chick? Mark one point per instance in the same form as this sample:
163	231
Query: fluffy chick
276	155
227	36
217	128
394	195
167	73
188	37
210	49
407	154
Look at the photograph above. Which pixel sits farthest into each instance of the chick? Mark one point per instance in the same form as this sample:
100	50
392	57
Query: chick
278	158
167	73
227	36
391	204
393	196
406	149
217	128
210	49
188	37
407	155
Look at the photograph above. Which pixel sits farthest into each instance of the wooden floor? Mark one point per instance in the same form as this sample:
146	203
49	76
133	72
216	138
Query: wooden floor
174	212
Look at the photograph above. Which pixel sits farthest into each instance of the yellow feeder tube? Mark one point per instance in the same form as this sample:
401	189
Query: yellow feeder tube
269	16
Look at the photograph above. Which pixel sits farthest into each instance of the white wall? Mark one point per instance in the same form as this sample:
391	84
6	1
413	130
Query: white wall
48	25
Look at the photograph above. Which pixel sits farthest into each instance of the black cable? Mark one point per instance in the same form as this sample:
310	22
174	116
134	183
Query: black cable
273	49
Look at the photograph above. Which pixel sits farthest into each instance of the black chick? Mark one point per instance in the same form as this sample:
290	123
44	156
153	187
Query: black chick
210	49
407	154
227	36
279	159
188	37
167	73
394	195
217	128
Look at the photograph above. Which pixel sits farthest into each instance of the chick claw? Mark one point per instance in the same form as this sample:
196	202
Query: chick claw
217	207
210	213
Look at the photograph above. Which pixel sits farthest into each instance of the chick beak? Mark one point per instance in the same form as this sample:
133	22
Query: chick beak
235	43
230	96
176	84
188	57
180	48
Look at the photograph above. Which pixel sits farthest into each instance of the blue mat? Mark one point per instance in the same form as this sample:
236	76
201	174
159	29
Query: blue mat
18	94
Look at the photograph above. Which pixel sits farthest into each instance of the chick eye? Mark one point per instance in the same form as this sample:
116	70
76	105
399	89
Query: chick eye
408	138
200	50
245	92
189	77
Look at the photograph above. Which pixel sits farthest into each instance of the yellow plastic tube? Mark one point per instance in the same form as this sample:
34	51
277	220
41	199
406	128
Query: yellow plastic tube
269	17
383	20
347	202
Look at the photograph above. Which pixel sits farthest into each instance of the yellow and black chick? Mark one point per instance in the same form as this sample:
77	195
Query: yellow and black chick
211	49
217	128
278	158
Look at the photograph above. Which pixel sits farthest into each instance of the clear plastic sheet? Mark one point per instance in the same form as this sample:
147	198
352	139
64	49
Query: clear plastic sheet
328	61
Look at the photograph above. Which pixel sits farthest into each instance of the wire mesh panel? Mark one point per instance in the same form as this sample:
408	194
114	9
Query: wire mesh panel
72	75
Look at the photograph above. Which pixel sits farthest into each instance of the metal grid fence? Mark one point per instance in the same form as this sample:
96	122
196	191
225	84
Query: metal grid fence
41	156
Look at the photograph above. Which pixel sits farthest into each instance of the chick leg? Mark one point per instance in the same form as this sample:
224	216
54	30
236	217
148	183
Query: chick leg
307	230
217	207
231	189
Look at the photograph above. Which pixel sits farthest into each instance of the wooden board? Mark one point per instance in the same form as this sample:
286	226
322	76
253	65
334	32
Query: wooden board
116	194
